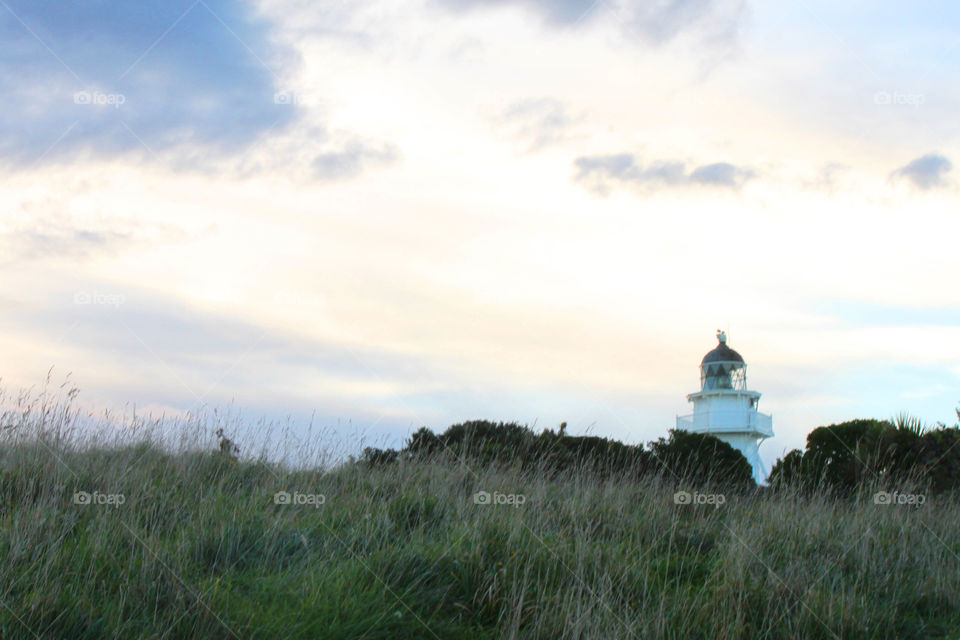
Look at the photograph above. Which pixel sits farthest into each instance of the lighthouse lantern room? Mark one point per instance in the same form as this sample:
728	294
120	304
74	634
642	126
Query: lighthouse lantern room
725	408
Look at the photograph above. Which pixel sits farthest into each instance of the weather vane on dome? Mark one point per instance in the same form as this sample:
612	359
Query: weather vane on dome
721	336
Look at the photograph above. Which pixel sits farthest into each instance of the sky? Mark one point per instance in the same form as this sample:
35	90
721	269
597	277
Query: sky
381	215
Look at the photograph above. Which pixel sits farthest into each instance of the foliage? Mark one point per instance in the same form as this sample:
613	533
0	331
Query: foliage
842	458
683	457
374	457
201	547
481	442
702	459
403	550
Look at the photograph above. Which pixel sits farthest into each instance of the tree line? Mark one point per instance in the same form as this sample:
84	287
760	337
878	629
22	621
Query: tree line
842	457
691	456
838	458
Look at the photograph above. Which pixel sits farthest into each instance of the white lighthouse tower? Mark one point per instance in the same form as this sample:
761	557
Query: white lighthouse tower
726	409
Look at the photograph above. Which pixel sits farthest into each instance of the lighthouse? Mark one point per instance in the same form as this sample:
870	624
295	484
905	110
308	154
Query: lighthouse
725	408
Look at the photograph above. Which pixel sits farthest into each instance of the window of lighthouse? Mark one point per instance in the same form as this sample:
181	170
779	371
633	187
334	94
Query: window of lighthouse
723	375
717	377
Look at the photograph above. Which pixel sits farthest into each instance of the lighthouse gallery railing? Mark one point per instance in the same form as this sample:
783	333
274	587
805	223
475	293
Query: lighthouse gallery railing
726	422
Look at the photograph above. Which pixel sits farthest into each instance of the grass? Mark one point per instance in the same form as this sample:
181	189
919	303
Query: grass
200	549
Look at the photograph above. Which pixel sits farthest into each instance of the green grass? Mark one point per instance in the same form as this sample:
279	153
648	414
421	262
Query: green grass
199	549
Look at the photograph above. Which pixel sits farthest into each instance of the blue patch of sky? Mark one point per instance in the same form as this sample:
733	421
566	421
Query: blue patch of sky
105	77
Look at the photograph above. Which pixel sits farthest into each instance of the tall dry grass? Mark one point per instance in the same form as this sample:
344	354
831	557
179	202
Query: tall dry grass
200	547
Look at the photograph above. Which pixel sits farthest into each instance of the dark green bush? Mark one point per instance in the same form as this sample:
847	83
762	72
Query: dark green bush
841	458
374	457
701	459
549	451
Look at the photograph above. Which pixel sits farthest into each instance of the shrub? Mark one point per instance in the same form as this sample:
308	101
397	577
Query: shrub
841	458
508	443
374	457
702	458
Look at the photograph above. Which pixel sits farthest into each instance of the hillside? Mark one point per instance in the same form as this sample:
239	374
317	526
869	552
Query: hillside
199	546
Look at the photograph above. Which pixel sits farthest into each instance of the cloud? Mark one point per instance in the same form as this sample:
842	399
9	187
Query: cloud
95	78
42	234
925	172
353	159
720	174
653	22
538	121
827	177
562	12
59	243
178	354
602	172
660	21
